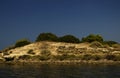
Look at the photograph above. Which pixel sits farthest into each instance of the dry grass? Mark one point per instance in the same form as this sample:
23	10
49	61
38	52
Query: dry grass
63	51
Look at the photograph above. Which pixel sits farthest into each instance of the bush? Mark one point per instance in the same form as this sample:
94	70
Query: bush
45	53
110	43
44	58
64	57
96	57
87	57
30	52
47	37
92	37
9	58
96	44
117	58
25	57
36	57
110	57
116	46
22	42
69	39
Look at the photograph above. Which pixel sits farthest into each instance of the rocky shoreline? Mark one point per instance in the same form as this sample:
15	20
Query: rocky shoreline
102	62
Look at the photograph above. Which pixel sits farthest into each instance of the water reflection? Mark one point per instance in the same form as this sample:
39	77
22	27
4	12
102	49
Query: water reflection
59	71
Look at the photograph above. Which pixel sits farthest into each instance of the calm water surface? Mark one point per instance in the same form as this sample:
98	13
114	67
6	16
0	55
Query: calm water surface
59	71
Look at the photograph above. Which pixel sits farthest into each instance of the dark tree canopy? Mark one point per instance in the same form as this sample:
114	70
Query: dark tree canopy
46	37
72	39
22	42
110	43
69	39
92	37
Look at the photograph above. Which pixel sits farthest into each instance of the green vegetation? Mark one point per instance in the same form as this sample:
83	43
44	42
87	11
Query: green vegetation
30	52
53	37
25	57
95	49
87	57
97	57
96	44
64	57
92	37
22	42
45	55
46	37
69	39
110	43
72	39
110	57
9	58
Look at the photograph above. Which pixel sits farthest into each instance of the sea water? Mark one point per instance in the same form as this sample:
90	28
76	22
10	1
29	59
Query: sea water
59	71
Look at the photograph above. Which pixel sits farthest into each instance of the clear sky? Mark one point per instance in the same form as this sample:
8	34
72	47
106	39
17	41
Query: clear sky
27	18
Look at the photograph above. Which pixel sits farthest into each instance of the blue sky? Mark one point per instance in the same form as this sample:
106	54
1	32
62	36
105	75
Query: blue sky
27	18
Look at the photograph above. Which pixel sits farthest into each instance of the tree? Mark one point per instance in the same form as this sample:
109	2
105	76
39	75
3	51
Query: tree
22	42
69	39
46	37
92	37
110	43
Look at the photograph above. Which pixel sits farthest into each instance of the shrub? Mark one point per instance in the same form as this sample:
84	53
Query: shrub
87	57
71	57
110	43
25	57
63	57
30	52
69	39
117	58
110	57
96	57
60	57
9	58
92	37
91	57
96	44
116	46
36	57
106	46
47	37
22	42
45	53
44	58
66	57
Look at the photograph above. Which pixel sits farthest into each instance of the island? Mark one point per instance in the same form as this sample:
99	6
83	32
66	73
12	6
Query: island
66	50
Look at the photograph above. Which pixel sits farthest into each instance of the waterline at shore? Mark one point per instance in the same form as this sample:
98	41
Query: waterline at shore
63	62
